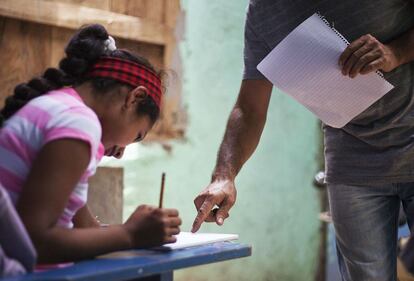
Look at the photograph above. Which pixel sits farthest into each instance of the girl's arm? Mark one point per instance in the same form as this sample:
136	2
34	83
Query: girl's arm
55	172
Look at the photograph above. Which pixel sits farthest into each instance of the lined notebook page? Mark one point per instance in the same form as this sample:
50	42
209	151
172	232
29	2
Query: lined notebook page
188	239
305	66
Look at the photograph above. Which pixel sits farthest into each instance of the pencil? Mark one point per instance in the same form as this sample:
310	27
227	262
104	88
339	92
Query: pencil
162	190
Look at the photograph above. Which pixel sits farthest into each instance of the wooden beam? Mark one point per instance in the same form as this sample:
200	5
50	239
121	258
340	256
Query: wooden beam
73	16
172	16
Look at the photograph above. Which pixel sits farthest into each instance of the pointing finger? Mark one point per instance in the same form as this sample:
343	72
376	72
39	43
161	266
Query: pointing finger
203	213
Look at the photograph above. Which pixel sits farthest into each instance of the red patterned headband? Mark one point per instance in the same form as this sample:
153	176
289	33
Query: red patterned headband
130	73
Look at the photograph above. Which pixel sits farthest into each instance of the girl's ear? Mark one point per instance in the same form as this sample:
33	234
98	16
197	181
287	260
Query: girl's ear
135	96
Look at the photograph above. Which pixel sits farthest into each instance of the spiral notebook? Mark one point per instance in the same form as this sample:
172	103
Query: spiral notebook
305	66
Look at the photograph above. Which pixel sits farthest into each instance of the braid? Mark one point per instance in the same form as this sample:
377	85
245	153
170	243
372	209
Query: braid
52	79
85	47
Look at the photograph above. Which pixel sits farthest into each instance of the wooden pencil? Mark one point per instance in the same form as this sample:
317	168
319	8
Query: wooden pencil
162	190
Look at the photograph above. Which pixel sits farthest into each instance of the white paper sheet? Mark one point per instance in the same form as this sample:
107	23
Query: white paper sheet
305	66
188	239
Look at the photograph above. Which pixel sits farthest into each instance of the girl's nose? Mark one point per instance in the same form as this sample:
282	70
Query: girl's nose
119	153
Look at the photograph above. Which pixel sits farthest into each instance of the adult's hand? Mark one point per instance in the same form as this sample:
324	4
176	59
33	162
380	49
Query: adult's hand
214	202
367	54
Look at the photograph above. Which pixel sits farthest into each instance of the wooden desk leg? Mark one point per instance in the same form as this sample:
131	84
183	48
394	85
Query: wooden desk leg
167	276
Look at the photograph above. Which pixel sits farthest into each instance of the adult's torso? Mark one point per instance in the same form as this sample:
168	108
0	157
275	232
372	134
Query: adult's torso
377	146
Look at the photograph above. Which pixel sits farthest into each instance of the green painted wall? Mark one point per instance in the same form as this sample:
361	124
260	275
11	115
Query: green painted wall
277	206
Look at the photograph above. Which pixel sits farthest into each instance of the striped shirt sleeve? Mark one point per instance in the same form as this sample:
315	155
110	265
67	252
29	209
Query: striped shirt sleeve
76	123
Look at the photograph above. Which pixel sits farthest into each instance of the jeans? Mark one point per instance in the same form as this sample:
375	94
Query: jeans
366	225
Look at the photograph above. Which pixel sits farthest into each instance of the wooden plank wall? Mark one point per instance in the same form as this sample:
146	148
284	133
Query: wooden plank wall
28	48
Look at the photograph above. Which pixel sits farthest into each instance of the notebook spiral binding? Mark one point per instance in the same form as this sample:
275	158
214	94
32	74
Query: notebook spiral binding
341	36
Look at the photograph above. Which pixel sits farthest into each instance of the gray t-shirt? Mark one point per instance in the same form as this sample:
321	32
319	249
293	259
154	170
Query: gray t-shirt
378	145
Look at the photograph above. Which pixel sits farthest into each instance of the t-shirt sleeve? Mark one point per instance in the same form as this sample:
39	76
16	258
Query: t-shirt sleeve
255	50
76	123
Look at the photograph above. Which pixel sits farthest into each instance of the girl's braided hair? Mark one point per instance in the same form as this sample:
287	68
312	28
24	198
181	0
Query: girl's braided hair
82	51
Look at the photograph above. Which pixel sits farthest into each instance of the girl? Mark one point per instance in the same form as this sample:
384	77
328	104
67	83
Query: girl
56	129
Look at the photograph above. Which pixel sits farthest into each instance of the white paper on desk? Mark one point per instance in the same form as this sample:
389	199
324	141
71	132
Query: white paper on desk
305	66
188	239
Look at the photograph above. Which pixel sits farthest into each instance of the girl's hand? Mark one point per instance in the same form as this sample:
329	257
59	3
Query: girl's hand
150	226
367	54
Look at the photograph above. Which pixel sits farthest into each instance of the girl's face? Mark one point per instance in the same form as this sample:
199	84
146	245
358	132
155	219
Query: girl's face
122	125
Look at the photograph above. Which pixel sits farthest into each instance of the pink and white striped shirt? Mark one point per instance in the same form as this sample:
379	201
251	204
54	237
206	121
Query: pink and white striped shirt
55	115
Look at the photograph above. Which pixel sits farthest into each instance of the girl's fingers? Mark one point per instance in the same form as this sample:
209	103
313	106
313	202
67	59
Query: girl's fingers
173	222
171	212
169	239
173	231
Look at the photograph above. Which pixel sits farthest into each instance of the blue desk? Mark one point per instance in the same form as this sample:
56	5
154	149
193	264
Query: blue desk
145	265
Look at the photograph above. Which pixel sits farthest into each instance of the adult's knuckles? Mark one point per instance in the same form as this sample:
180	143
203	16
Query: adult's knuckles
199	200
367	36
209	193
231	200
364	60
376	44
354	56
202	211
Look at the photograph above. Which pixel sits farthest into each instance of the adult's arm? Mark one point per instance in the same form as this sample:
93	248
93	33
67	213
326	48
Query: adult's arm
243	132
